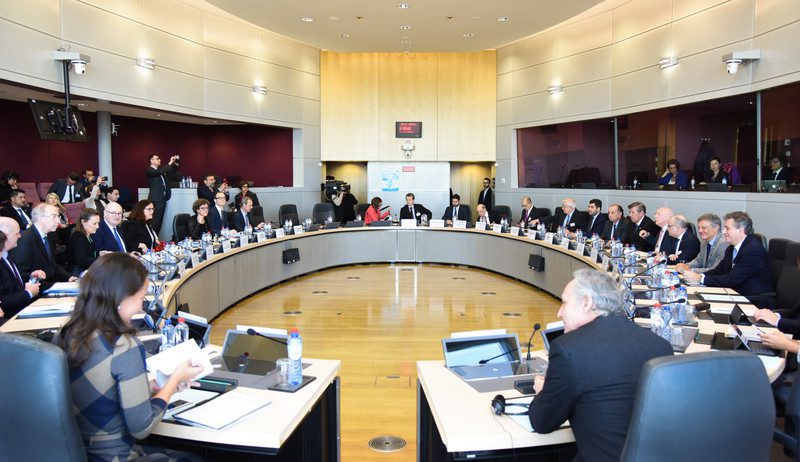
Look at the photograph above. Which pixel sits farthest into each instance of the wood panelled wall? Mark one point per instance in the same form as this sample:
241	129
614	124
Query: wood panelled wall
452	94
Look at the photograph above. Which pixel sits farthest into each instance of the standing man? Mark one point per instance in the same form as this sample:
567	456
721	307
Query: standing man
597	219
17	208
35	250
486	197
712	249
15	294
208	189
158	182
594	368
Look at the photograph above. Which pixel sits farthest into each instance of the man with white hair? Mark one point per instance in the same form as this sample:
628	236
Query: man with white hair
567	218
108	237
594	367
687	246
660	242
712	250
15	293
35	251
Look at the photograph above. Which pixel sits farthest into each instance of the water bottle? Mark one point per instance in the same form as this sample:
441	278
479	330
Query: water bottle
181	331
655	319
692	183
294	347
666	317
167	336
724	181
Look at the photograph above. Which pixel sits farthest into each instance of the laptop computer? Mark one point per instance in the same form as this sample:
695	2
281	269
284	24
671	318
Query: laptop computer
354	224
381	223
737	316
251	354
649	186
552	332
716	187
773	185
489	363
739	342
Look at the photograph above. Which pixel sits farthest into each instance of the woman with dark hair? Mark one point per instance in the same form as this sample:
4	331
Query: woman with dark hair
199	222
108	378
80	241
674	176
244	188
8	183
717	174
136	229
373	212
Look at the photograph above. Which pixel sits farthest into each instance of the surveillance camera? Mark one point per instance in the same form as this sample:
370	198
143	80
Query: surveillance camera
408	153
79	66
732	65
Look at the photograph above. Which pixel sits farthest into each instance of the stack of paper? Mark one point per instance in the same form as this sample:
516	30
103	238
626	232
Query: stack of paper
63	288
223	411
44	311
164	363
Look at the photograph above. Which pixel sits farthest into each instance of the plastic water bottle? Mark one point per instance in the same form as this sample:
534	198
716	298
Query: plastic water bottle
692	183
295	350
655	319
167	336
724	181
181	331
666	317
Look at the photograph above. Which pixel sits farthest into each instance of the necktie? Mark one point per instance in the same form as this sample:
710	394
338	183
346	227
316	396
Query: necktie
412	212
735	252
15	272
592	225
118	239
71	194
660	238
613	231
246	220
47	247
524	216
566	221
455	213
24	217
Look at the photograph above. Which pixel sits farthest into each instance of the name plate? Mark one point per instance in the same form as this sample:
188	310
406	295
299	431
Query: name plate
514	230
243	241
593	254
436	223
408	223
181	268
564	242
298	229
497	228
261	237
548	237
460	224
605	261
209	251
280	232
480	225
580	248
226	246
195	259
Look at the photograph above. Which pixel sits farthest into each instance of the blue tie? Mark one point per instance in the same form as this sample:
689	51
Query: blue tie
708	253
735	251
47	247
118	239
566	221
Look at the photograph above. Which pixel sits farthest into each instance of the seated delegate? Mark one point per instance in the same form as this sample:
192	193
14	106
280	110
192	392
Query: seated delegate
137	231
673	176
81	245
109	386
373	212
198	223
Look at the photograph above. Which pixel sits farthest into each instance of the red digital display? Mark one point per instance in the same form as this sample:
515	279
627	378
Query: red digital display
408	129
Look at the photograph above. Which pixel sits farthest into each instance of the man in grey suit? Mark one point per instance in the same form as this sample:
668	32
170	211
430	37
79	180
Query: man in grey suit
712	247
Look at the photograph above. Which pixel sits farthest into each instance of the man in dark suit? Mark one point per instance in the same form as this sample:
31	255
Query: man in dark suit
567	217
217	215
17	208
529	216
686	246
15	293
242	218
616	227
639	221
596	220
779	170
486	197
594	368
158	182
455	211
412	210
67	189
109	236
745	267
35	249
207	189
660	241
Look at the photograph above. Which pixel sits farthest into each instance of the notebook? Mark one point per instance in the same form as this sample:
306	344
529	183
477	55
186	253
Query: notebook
223	411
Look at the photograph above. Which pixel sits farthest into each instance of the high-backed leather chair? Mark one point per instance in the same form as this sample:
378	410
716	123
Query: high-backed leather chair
761	238
180	226
321	212
777	248
702	406
288	212
361	209
37	419
789	436
257	214
500	211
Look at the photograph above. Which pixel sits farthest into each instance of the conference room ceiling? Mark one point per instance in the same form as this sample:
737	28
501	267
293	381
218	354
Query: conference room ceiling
422	26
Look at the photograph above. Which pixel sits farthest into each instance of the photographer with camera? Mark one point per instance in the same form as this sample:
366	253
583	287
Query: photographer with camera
344	203
160	191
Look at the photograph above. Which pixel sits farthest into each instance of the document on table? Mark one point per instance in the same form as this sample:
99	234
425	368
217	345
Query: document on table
186	399
70	288
720	298
164	363
521	404
222	411
44	311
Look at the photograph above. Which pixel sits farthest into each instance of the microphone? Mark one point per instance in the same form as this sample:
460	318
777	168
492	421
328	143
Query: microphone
484	361
536	327
252	331
154	315
640	292
642	308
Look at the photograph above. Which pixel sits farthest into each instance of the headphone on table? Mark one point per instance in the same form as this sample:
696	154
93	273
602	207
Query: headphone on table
499	406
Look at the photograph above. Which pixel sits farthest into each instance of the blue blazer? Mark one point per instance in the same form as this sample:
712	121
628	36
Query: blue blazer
599	224
689	247
104	239
749	274
681	182
216	221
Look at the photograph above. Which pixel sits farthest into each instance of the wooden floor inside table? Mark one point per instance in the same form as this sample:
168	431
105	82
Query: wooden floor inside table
379	320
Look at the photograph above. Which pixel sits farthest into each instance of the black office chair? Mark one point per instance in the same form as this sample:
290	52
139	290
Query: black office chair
543	212
257	214
500	211
180	226
693	227
288	212
469	212
777	248
761	238
789	436
361	209
702	406
322	212
37	418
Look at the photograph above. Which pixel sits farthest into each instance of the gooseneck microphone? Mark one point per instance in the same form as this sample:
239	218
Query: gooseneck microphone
252	331
484	361
642	308
536	327
656	289
154	315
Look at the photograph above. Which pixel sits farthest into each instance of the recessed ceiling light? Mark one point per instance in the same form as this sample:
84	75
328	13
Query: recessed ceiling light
402	6
334	18
468	35
405	27
405	41
344	35
216	121
158	115
405	37
473	18
307	19
503	18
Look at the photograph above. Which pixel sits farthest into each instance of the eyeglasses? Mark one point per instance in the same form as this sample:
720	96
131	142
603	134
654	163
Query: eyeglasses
116	214
204	207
